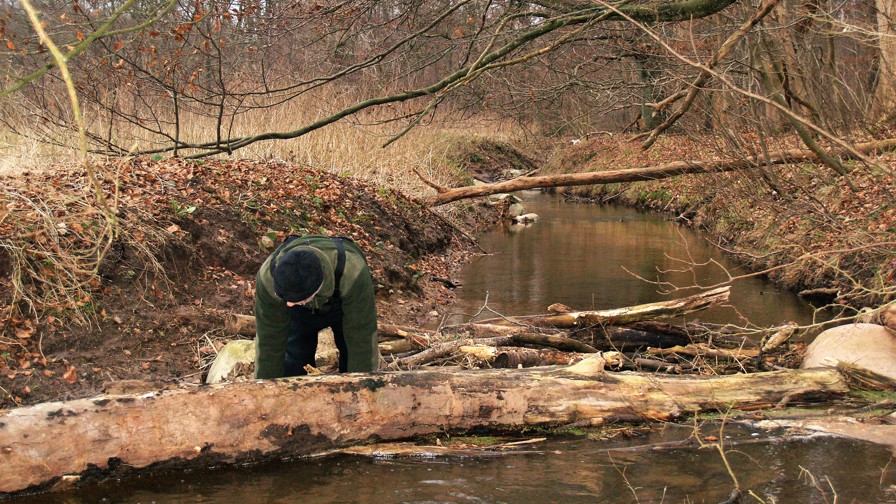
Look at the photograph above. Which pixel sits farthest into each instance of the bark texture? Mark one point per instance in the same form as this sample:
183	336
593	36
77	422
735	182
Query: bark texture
242	422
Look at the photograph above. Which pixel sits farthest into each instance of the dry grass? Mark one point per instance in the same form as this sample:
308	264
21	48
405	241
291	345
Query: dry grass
19	154
352	146
66	258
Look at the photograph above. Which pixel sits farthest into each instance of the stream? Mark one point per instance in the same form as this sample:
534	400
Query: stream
596	257
585	256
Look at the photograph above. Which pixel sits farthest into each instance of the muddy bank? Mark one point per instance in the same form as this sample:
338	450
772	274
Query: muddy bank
807	227
192	235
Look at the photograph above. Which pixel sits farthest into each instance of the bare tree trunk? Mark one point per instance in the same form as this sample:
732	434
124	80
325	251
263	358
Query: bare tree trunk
112	436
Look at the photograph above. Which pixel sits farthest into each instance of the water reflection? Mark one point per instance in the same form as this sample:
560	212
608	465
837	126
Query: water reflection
581	470
589	257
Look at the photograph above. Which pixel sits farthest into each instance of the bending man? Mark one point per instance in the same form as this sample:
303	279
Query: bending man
307	284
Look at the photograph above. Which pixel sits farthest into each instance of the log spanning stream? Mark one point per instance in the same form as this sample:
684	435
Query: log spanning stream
577	255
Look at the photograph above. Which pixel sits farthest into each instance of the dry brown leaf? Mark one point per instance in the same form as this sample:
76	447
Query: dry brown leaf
71	375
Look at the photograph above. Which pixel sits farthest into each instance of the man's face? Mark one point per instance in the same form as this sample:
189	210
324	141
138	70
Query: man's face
299	303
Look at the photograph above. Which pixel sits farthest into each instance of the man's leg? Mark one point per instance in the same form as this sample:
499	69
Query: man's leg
301	342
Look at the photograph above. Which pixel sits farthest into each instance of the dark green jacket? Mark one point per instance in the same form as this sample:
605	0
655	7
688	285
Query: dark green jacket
358	308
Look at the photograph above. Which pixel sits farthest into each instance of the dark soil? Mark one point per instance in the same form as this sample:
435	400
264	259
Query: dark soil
489	161
193	235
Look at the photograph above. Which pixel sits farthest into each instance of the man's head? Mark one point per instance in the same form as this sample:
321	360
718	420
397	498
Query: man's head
297	275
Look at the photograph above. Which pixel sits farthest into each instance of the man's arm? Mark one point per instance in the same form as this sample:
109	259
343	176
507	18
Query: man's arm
271	326
359	325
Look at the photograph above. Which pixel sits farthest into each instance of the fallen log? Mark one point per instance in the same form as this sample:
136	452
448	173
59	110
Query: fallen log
243	325
725	336
624	339
511	358
558	341
620	316
445	349
399	346
642	364
863	378
596	338
704	351
517	357
651	173
115	436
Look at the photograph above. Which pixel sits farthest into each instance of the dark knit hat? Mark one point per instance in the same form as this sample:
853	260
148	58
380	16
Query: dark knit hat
297	275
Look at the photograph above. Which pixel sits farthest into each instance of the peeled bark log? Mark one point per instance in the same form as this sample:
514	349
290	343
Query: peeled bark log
398	346
261	420
481	352
528	357
411	334
621	316
447	348
236	323
517	357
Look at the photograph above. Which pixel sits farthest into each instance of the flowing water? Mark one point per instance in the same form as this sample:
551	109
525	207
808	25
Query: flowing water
584	256
807	470
594	257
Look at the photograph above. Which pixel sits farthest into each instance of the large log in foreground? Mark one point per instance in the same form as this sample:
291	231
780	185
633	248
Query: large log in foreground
246	422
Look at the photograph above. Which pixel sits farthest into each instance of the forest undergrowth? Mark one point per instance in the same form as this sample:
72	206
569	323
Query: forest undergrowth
84	307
